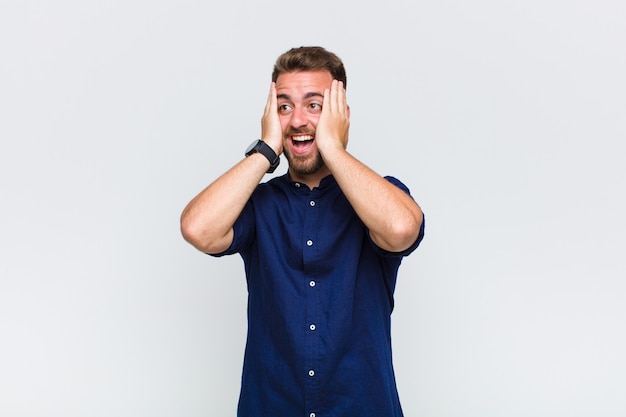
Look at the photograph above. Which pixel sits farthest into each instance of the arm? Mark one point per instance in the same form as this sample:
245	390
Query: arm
392	217
207	221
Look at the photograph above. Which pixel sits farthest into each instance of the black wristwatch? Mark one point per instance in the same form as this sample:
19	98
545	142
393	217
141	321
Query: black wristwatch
263	148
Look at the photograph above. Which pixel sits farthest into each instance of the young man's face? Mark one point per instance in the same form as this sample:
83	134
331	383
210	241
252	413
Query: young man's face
300	96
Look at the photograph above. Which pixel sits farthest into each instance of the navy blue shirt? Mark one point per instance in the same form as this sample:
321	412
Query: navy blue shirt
320	297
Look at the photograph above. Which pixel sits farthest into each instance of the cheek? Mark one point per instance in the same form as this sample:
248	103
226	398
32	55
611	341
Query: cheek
313	118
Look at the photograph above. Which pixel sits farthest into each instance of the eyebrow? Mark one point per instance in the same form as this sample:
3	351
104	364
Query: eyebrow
306	96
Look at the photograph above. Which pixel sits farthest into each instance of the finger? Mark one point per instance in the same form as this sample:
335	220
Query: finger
270	105
341	99
326	101
333	96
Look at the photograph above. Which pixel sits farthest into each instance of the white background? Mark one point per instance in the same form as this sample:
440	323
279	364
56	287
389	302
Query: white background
507	120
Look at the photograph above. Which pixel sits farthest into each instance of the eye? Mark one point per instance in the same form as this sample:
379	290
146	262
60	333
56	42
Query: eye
284	108
315	107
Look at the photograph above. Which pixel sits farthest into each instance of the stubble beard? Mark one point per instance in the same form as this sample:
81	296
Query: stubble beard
302	164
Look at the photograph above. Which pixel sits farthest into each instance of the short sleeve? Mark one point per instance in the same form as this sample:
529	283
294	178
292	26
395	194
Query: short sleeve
420	235
243	231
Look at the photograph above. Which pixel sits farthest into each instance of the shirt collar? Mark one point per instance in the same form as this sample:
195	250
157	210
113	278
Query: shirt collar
326	183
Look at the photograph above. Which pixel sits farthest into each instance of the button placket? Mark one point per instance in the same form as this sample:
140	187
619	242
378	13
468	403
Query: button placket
311	258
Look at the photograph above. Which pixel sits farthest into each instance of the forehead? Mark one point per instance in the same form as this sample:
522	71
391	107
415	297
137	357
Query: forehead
298	84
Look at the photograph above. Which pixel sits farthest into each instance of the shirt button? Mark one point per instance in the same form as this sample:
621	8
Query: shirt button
311	372
297	185
312	283
312	415
309	243
312	203
312	327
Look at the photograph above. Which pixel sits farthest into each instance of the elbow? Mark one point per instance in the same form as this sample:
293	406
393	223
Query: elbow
202	238
408	234
190	231
193	234
404	233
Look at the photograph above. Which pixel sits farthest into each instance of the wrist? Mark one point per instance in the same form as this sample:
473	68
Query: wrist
329	148
260	146
277	146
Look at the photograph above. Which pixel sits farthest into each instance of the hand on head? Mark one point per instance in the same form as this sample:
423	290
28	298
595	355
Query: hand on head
334	122
271	131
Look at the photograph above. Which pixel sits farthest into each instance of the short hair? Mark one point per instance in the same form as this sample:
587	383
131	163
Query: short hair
310	58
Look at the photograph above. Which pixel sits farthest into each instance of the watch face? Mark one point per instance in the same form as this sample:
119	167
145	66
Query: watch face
252	146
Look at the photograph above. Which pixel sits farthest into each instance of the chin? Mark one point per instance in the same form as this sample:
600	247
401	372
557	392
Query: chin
305	167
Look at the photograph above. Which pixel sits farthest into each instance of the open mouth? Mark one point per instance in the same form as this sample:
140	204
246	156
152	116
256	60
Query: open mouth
302	143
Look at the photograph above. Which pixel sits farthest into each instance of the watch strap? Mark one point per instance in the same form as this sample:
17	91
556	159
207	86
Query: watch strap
264	149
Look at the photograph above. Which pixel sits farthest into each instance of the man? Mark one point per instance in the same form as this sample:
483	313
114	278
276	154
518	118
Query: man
321	247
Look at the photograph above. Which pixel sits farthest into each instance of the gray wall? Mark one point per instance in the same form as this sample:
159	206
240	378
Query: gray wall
506	120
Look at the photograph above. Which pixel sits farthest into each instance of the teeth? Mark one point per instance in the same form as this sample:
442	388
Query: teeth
303	138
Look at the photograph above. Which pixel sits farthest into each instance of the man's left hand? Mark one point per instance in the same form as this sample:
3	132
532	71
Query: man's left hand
334	122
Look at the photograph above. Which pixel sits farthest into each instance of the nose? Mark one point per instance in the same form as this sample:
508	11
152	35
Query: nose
298	118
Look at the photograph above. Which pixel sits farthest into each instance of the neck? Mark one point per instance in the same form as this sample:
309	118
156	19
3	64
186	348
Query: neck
311	180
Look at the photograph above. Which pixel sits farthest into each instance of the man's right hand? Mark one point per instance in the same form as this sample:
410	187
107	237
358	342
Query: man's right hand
207	221
271	131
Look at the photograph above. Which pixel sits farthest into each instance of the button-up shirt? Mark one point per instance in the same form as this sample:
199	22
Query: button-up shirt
320	297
